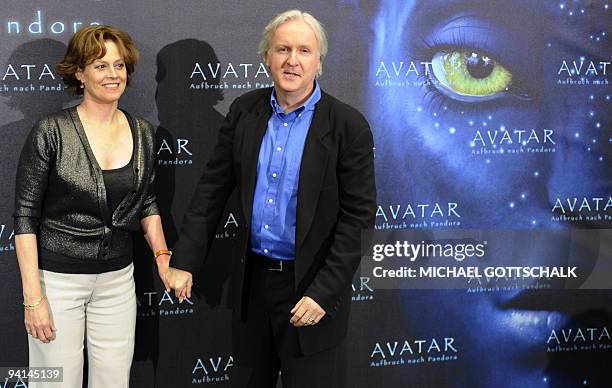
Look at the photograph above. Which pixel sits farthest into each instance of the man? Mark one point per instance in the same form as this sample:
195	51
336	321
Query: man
302	163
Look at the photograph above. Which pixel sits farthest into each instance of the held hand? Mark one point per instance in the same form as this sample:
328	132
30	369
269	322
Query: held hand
39	322
306	312
181	282
163	263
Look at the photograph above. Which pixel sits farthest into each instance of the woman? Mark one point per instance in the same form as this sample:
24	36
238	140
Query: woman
84	183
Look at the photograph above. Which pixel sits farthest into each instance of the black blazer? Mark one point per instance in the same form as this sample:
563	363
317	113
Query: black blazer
336	200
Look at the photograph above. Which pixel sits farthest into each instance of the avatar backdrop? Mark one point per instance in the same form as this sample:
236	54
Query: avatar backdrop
487	114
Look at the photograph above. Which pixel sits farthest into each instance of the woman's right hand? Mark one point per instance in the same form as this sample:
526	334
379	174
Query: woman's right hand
39	322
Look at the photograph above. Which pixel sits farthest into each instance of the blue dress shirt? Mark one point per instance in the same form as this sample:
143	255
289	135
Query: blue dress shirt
278	169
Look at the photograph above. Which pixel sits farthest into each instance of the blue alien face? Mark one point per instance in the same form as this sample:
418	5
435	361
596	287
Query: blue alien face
493	114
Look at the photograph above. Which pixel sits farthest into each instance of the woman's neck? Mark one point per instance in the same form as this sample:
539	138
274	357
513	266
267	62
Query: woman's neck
98	113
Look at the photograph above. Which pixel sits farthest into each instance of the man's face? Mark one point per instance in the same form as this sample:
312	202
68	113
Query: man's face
293	59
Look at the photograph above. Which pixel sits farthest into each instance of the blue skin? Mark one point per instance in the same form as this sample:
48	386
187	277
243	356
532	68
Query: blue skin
421	160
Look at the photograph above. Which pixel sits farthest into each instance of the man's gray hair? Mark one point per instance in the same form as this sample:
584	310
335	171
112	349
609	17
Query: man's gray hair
291	15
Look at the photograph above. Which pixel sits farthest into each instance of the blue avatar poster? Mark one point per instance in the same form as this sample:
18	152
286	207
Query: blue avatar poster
495	115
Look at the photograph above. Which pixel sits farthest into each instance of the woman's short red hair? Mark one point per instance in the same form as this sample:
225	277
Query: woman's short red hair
87	45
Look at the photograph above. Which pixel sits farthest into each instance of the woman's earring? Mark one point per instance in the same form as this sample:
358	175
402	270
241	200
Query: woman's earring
82	85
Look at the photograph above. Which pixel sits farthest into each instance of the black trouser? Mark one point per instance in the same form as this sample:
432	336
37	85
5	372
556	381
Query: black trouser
267	343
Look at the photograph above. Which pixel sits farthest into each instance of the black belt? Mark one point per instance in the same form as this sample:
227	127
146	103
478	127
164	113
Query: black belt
272	264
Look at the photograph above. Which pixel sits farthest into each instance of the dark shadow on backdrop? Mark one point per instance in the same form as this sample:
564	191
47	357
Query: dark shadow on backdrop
33	103
138	97
186	135
189	125
33	97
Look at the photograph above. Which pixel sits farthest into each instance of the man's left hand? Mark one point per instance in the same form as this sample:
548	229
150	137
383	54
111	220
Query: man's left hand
306	312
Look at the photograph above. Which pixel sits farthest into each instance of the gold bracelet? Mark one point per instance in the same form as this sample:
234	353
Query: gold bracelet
162	252
33	305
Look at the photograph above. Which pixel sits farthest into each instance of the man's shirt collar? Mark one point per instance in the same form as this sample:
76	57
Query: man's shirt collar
308	105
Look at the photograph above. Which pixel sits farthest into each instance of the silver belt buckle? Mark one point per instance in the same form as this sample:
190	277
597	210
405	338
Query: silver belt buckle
279	268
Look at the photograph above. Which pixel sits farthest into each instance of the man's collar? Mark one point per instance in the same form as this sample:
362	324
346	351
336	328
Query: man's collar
308	105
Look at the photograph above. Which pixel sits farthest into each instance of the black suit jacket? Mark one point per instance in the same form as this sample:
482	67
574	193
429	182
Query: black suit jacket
336	200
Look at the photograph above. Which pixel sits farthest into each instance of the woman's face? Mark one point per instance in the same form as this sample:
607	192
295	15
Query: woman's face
105	78
497	113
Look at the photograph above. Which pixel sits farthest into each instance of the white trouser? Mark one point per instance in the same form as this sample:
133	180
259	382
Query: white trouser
100	308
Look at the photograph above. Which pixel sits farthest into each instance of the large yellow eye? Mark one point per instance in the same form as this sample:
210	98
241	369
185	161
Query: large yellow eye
468	75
